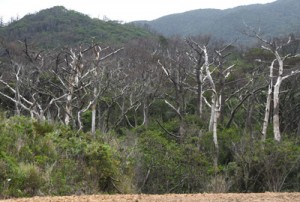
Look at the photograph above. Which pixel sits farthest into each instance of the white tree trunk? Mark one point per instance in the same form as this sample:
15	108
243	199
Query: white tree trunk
17	95
199	75
212	114
268	104
215	130
215	135
94	107
276	123
93	127
68	109
215	108
267	114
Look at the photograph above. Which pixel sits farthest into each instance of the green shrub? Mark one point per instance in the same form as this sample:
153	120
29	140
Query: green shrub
38	157
266	166
102	165
166	166
42	128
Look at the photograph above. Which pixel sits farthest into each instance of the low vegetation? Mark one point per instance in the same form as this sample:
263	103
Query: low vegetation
38	158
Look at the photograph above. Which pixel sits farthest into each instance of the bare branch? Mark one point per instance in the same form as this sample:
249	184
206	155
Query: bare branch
14	91
176	110
21	104
291	74
110	54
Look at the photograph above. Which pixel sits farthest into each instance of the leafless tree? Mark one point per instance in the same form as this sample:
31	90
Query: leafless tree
277	47
175	65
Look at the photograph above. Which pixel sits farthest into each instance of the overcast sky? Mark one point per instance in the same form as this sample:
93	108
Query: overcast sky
121	10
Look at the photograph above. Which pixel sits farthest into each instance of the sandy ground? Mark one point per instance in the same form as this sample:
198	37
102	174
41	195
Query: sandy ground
269	197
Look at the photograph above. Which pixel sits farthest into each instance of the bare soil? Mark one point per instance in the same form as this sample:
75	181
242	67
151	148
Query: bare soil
266	197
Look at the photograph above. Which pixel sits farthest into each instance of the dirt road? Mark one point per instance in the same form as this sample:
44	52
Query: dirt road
266	197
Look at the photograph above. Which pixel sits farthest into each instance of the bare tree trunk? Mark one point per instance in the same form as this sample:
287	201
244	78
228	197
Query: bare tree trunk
213	127
276	122
17	95
212	114
215	110
215	135
93	127
268	104
199	75
267	116
94	107
68	109
145	113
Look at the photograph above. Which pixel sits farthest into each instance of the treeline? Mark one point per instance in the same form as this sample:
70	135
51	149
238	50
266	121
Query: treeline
155	115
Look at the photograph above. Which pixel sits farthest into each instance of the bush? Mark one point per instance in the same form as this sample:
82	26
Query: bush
266	166
165	166
101	166
40	158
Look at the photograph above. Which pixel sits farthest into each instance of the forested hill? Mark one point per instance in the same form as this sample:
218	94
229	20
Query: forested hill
278	18
58	26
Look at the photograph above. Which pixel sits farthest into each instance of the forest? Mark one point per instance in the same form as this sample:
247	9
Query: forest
151	115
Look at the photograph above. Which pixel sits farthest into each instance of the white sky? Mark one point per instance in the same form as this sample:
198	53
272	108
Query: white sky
121	10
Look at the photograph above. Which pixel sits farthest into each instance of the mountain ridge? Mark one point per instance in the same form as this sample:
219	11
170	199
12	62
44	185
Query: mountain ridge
276	19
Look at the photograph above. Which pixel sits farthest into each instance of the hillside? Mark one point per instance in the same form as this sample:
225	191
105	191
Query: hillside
278	18
58	26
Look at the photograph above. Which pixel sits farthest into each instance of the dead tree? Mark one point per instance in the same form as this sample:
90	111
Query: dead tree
204	70
175	66
140	64
198	61
276	47
100	77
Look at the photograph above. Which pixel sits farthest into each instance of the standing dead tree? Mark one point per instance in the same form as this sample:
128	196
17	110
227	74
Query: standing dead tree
204	74
198	74
142	70
281	52
101	78
175	66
